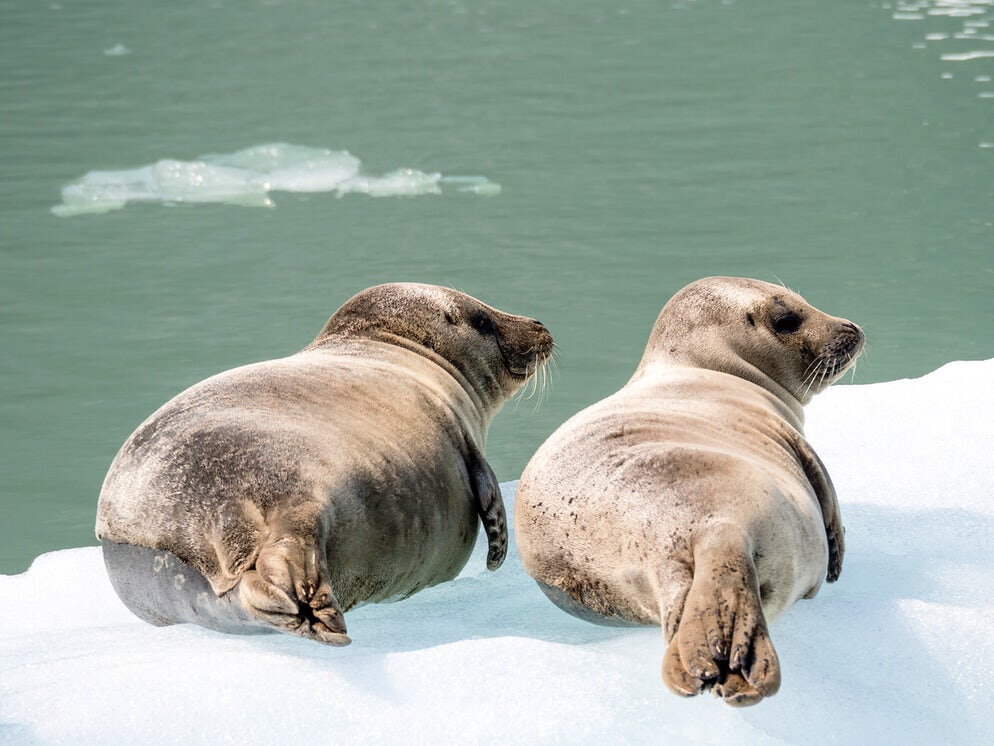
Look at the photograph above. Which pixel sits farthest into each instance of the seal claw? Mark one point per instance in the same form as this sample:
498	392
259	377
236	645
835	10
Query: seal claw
736	691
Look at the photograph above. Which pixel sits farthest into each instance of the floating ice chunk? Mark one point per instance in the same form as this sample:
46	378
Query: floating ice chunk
245	177
293	168
475	184
117	50
487	189
165	181
404	182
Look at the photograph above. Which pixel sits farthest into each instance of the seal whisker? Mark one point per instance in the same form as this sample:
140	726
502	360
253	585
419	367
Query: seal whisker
814	363
810	378
533	380
852	370
543	371
538	391
824	375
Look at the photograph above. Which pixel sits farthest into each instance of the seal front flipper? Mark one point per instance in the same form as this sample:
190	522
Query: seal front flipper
817	475
490	505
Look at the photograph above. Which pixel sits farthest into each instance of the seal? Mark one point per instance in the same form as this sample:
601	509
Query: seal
690	498
280	494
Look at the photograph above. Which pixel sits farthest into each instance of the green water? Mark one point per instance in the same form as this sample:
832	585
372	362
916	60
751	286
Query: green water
639	145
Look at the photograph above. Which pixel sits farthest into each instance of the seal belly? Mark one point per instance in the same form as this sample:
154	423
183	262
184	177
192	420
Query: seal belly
569	604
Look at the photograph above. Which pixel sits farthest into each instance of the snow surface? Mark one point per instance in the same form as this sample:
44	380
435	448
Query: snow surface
898	651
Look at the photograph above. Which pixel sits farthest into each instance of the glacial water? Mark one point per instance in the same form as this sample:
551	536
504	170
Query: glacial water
189	186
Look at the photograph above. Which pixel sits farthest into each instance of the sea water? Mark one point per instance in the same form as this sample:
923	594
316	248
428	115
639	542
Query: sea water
189	186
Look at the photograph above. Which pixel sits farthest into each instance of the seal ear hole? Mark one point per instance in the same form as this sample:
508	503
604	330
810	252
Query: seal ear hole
787	323
449	316
752	321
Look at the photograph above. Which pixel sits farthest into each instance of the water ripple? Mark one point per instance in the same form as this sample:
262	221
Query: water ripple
972	17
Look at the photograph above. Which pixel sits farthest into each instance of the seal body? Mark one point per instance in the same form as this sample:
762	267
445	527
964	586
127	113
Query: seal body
283	493
690	499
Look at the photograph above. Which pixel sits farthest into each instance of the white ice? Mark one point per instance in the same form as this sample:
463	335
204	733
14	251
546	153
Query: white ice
898	651
247	177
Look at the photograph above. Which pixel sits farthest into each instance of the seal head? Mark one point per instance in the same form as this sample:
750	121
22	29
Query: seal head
757	331
491	351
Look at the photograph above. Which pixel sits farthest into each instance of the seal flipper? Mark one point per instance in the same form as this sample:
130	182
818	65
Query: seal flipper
490	505
818	477
721	639
289	587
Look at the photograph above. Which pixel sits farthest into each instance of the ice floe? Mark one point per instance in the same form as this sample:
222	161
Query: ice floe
898	651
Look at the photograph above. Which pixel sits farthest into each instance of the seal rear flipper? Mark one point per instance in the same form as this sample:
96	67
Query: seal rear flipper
490	505
721	639
289	587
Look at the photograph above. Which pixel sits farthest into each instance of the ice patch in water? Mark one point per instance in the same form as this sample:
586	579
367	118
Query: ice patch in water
117	50
165	181
246	177
290	168
405	182
475	184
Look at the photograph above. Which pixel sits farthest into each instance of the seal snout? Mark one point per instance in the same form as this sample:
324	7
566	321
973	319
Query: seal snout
525	344
845	347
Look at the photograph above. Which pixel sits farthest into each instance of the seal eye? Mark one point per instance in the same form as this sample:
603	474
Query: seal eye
787	324
483	323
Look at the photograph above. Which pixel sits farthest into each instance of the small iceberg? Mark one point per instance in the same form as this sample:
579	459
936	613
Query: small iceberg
247	177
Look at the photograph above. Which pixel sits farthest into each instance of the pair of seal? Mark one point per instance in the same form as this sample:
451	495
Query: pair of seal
281	494
690	498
